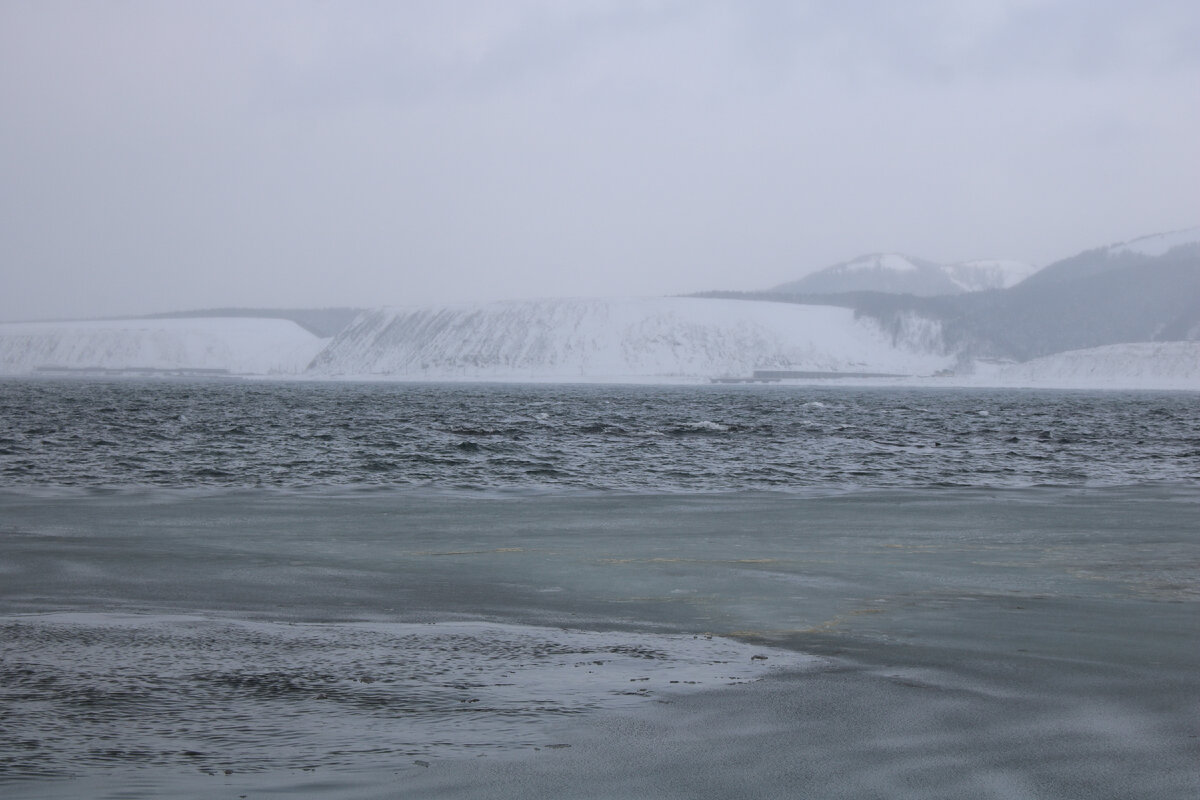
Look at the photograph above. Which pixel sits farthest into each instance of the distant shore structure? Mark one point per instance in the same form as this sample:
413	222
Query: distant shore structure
777	375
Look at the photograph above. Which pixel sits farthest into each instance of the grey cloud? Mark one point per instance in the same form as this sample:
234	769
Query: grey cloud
163	156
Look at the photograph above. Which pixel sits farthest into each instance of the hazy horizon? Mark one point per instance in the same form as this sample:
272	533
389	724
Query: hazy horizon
163	157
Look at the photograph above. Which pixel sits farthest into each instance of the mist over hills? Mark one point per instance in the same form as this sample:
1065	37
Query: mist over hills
1097	318
1147	290
894	273
1098	298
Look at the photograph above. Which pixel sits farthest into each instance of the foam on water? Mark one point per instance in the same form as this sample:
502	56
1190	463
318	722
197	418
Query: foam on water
96	692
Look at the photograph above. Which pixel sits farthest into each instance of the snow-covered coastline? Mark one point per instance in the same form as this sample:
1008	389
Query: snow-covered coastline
636	340
1133	365
668	338
227	345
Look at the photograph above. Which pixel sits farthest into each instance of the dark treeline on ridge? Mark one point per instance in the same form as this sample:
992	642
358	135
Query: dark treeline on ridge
1096	298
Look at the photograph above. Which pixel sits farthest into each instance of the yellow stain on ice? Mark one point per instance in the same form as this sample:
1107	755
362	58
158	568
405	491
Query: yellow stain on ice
836	622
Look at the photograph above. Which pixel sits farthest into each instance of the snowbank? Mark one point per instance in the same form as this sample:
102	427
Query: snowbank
1136	365
636	338
241	346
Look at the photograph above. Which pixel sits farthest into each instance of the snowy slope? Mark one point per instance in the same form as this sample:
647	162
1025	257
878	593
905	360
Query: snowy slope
1159	243
878	272
246	346
886	262
977	276
900	274
613	339
1136	365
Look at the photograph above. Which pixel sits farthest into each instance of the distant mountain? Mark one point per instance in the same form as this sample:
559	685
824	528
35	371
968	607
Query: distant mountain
1108	316
1101	260
894	273
1159	243
985	274
1143	291
643	338
1146	290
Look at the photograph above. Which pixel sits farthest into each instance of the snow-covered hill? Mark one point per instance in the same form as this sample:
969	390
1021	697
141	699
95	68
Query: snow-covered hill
642	338
983	274
900	274
239	346
1137	365
1159	243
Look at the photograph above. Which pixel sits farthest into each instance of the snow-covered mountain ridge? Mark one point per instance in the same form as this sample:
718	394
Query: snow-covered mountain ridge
1116	315
1158	244
900	274
667	337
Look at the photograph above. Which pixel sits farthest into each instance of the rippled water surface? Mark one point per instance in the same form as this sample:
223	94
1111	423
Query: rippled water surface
240	589
626	438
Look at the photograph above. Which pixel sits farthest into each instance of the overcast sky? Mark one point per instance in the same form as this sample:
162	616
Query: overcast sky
174	155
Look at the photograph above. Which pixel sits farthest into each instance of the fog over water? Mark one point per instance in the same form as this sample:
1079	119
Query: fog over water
192	155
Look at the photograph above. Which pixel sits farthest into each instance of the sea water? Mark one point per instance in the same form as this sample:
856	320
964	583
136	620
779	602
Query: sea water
226	589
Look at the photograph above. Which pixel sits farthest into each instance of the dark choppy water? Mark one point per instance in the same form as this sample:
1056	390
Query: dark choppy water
584	437
1000	588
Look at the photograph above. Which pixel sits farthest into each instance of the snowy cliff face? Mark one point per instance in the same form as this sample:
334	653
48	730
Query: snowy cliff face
607	339
239	346
894	273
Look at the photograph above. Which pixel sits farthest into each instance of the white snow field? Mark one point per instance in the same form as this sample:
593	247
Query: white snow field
977	276
900	274
639	338
892	262
240	346
636	340
1135	365
968	276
